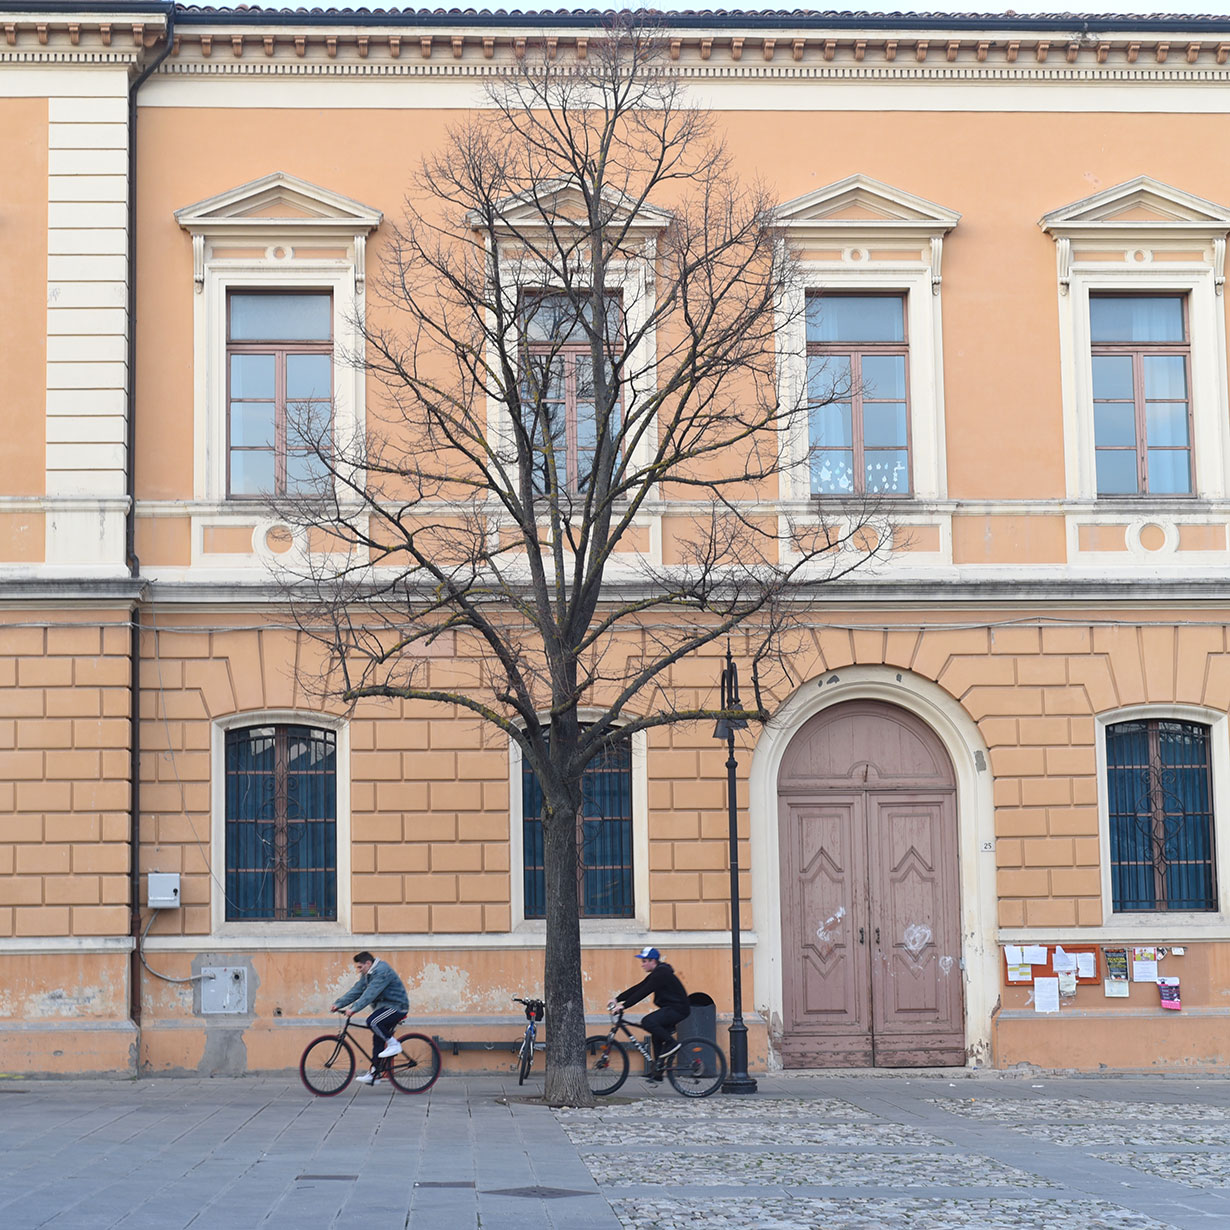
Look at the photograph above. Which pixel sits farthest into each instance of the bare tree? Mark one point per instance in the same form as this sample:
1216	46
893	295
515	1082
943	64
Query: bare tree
575	331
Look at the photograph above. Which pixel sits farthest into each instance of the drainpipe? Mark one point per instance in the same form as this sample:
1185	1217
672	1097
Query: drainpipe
130	551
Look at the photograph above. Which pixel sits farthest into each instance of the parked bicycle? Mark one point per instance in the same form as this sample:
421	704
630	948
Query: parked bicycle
535	1010
696	1069
328	1062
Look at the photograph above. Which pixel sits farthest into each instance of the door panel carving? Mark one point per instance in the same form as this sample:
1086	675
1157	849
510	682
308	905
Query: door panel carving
824	872
870	893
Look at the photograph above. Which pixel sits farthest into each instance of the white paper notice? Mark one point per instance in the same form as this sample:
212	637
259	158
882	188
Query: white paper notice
1086	964
1116	988
1067	985
1020	973
1144	964
1034	954
1046	994
1012	954
1065	962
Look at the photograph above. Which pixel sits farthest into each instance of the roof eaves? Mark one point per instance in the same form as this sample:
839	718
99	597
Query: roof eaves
709	19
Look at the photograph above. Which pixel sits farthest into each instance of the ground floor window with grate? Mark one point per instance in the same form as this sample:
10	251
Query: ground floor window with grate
281	823
1160	807
604	837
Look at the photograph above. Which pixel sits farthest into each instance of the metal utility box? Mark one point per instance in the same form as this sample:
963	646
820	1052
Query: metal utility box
163	890
224	989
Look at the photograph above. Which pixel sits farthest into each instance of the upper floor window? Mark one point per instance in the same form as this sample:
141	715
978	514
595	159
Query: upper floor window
604	837
1160	812
279	268
857	394
561	398
1141	399
279	355
281	823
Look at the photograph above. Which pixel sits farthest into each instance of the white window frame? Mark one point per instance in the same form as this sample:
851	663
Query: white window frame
609	929
626	279
262	930
928	471
1207	342
210	346
1170	925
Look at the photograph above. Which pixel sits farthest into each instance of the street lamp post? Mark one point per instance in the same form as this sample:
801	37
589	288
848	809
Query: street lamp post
738	1080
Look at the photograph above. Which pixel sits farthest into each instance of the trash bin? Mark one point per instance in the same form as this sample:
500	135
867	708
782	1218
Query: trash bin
702	1023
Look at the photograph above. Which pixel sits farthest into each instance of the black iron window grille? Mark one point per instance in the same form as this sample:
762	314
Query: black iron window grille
281	824
1161	816
604	837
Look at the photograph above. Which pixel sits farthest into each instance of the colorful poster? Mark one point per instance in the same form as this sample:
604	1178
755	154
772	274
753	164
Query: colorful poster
1144	964
1116	964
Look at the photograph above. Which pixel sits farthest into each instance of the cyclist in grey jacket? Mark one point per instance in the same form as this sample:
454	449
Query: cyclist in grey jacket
381	988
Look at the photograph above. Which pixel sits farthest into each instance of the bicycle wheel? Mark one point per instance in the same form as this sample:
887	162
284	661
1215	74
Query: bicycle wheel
606	1064
527	1058
327	1066
697	1068
417	1068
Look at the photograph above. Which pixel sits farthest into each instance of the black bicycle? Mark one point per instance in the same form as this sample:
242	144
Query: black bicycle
535	1010
328	1062
696	1069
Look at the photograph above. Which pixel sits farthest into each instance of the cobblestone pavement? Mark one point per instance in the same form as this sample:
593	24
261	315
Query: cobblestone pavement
950	1151
979	1152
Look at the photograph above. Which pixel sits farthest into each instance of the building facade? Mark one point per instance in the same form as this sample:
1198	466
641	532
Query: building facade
1007	739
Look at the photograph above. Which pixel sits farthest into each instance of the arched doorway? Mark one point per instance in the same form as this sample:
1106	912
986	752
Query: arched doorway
870	897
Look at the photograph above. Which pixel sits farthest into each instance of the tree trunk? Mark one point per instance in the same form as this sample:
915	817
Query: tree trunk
566	1082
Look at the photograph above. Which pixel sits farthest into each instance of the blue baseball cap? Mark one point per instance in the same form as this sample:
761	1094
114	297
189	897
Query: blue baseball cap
651	954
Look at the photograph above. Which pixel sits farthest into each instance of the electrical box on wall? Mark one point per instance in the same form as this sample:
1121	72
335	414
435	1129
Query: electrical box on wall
224	988
163	890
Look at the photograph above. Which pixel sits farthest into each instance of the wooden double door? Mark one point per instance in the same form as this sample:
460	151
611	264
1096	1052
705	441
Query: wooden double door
871	935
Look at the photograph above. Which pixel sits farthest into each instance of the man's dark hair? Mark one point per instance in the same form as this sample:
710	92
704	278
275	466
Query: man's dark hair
363	956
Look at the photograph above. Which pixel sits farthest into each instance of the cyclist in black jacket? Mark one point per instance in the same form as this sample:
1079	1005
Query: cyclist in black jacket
671	999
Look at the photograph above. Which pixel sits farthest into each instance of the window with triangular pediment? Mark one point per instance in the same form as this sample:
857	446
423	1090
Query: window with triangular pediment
1141	273
861	342
279	274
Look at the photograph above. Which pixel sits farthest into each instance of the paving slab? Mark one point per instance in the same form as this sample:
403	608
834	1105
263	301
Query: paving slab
858	1151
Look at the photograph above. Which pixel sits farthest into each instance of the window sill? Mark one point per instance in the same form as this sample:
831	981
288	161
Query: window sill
1126	929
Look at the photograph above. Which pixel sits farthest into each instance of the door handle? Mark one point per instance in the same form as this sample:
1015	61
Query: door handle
862	936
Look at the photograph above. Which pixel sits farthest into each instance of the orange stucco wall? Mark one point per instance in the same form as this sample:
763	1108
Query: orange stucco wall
429	800
1001	171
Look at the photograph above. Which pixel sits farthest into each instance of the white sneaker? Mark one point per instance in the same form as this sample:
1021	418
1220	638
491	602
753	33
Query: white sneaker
368	1078
393	1048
